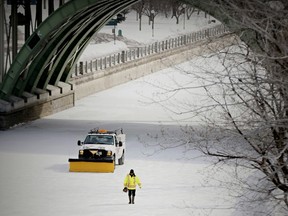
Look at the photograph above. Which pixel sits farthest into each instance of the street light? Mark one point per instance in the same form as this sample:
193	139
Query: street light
152	17
184	8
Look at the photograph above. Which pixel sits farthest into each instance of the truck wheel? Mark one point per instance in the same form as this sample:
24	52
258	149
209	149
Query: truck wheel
114	160
121	160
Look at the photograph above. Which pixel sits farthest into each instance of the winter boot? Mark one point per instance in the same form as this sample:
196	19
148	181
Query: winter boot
129	199
132	199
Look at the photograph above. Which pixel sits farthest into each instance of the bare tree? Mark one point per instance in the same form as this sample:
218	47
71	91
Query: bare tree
248	106
247	116
189	11
139	8
177	10
148	8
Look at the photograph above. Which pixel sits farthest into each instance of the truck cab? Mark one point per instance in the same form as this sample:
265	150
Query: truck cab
101	144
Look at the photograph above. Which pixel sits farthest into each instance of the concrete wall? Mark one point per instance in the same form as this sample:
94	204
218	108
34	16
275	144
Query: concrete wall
36	110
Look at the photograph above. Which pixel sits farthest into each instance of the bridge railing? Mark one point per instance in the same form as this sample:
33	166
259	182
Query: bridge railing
101	63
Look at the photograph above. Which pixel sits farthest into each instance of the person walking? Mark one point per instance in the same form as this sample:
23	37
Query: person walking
130	182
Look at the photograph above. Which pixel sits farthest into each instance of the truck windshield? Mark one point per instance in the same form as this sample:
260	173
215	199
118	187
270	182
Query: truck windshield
99	139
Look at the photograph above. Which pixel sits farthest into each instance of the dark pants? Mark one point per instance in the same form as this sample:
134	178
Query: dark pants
131	195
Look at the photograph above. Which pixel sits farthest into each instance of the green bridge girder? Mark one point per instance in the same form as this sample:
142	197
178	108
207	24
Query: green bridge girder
53	49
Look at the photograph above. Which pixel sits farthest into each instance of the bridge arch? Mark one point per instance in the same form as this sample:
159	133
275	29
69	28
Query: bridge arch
51	51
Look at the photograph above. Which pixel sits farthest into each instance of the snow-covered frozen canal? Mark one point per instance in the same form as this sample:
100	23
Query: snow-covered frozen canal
35	177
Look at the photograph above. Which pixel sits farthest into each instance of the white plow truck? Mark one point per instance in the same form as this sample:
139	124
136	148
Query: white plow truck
100	151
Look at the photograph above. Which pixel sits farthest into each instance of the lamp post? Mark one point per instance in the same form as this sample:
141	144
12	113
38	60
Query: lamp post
184	13
152	17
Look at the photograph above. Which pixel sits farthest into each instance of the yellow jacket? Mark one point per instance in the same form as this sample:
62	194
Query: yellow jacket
131	181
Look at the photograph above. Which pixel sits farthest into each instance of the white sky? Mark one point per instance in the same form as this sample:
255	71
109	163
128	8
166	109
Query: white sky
34	157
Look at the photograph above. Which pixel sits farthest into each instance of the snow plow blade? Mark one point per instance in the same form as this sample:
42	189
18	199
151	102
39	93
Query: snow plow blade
85	165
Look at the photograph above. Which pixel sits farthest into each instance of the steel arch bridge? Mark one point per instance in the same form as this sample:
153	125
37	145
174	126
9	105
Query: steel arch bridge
53	49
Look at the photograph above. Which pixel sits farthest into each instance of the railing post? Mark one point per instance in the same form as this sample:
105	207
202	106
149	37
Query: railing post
101	64
86	67
96	64
110	59
81	68
156	47
119	58
76	70
138	52
123	56
105	62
